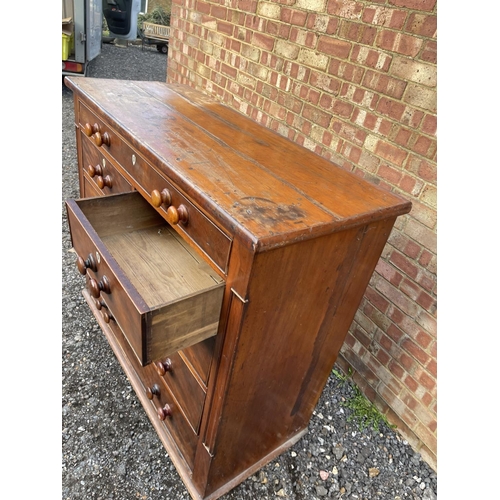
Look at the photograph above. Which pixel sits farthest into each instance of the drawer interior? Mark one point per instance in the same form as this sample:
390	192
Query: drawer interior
161	266
146	262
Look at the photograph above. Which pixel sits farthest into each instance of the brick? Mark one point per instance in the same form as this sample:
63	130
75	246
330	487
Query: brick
391	108
422	24
263	41
425	146
419	354
322	81
410	289
247	5
384	16
429	52
312	58
425	5
342	108
429	196
361	337
302	37
375	298
334	47
219	12
389	152
357	32
386	85
278	29
375	59
228	70
424	214
226	28
383	357
345	70
319	23
423	235
396	297
316	116
425	379
349	9
425	258
293	16
258	71
427	279
411	383
250	52
423	339
410	185
288	101
421	97
388	173
312	5
425	169
296	71
401	262
397	42
409	400
389	272
429	124
407	362
268	9
432	368
287	49
415	71
426	321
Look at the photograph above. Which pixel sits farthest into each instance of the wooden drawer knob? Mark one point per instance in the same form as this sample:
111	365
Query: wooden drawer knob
151	392
89	263
176	215
106	316
158	199
104	181
164	412
97	287
101	139
93	171
163	367
89	129
99	304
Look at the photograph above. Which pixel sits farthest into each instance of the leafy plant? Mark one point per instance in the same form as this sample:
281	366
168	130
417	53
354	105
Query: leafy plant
157	16
363	411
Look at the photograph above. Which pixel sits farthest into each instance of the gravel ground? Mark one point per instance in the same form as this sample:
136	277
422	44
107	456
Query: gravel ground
109	447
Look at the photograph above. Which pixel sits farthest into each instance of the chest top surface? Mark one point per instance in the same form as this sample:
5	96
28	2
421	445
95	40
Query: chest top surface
258	182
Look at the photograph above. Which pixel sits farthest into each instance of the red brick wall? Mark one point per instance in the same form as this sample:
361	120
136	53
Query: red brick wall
354	81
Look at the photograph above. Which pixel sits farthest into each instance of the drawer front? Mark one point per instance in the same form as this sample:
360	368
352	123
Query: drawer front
90	189
176	424
181	296
172	415
184	386
101	172
214	243
99	132
200	356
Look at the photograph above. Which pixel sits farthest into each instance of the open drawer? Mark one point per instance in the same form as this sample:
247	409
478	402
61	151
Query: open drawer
142	275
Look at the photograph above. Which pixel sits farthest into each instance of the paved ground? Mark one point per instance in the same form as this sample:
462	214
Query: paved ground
109	448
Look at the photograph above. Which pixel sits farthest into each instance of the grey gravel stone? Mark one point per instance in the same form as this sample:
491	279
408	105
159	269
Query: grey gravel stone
110	449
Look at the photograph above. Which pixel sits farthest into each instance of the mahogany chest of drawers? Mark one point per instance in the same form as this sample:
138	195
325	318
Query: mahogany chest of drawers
224	264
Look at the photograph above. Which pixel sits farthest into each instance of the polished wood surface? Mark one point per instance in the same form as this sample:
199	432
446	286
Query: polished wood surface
293	239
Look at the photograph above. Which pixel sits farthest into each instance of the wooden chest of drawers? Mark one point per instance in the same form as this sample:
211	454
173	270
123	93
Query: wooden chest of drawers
223	263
